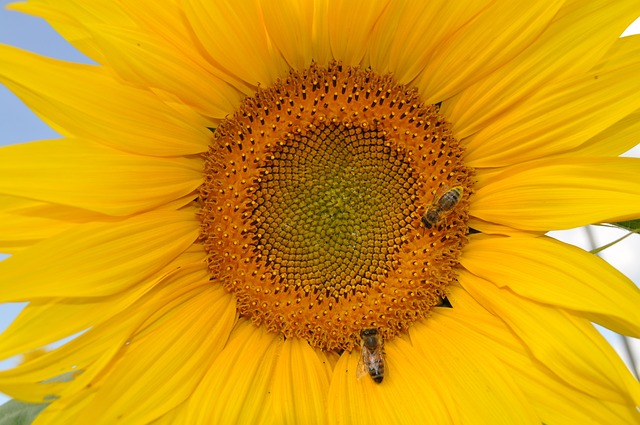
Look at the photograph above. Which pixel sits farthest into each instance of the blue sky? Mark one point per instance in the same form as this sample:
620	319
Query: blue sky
19	124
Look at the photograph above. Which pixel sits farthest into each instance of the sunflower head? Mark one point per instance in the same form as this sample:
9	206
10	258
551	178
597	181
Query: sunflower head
314	201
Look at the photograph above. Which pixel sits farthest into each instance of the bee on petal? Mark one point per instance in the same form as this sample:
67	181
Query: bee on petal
372	357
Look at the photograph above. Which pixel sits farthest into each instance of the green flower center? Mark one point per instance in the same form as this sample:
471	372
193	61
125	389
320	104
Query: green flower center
332	208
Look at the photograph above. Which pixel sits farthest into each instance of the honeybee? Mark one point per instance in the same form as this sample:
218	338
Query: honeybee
442	206
372	358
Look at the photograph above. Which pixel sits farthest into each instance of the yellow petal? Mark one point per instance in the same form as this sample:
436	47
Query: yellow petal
98	259
78	22
46	321
423	24
614	141
82	174
168	21
359	401
551	272
170	360
623	52
24	222
575	41
71	18
411	393
85	101
300	384
350	26
146	60
481	387
561	116
621	136
560	193
406	395
233	36
497	35
174	416
63	412
235	388
308	20
88	355
570	347
347	405
555	401
490	228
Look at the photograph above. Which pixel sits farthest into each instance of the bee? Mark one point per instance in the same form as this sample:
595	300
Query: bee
442	206
372	358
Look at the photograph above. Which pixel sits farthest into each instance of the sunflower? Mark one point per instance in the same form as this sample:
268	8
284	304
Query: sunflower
322	212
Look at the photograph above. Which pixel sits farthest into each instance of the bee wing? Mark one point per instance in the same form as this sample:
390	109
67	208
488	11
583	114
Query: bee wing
362	369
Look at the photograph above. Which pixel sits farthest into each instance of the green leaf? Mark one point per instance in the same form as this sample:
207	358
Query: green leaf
16	412
633	226
629	225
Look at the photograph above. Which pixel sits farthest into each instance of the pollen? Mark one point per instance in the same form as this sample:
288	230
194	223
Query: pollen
314	200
